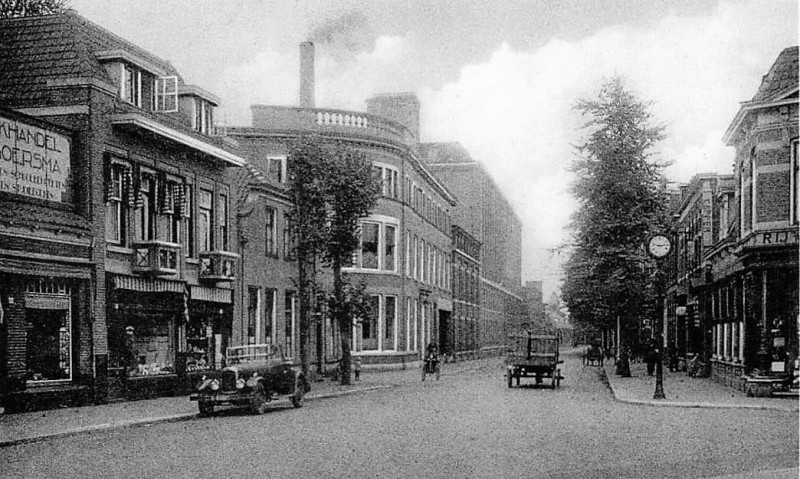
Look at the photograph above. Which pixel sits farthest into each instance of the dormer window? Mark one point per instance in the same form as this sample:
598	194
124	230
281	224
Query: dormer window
203	116
131	85
166	94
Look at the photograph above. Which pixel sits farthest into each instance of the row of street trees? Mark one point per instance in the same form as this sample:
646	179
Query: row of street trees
620	191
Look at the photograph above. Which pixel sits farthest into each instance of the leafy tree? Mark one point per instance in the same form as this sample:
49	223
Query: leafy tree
30	8
333	189
353	191
308	220
618	188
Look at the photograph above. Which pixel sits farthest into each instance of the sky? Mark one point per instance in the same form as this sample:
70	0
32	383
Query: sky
499	76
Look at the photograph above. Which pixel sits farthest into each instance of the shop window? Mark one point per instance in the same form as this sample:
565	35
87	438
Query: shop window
149	346
48	317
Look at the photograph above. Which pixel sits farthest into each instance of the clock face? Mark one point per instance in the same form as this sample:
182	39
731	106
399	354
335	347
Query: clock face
659	246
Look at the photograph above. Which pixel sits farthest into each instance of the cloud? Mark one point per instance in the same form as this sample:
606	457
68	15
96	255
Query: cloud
513	112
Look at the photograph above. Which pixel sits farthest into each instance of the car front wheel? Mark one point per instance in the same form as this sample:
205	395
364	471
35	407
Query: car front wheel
260	399
206	408
299	392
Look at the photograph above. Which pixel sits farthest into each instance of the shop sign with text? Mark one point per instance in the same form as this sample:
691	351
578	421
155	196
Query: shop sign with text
34	162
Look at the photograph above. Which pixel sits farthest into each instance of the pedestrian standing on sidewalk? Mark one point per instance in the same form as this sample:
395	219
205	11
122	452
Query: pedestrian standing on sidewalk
357	368
651	359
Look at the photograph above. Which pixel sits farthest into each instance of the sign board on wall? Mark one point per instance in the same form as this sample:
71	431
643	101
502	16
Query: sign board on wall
34	162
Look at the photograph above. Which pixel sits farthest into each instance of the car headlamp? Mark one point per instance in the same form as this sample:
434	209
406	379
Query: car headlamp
214	384
240	383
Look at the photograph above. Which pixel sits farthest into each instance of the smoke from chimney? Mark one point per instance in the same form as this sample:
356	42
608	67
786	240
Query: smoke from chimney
307	75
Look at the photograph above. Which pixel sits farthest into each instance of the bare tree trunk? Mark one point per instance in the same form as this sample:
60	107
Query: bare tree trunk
304	287
344	321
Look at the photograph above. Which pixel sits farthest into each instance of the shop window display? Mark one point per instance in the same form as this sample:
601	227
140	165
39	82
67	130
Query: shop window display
197	358
48	345
149	347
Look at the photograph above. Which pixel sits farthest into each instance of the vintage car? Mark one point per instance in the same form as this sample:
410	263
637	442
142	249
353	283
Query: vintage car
254	376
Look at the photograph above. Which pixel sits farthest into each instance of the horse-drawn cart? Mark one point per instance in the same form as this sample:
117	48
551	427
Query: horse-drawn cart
532	355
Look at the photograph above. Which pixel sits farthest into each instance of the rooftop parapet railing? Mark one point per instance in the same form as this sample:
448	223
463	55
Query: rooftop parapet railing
326	120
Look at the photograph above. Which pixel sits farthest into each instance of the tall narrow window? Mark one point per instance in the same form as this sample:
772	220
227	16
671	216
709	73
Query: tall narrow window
408	253
270	232
276	169
166	94
222	221
132	85
389	315
145	221
188	213
270	300
253	309
414	248
369	245
288	323
115	213
369	326
389	239
204	215
795	200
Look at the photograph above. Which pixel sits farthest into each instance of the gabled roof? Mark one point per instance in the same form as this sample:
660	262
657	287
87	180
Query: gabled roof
38	50
778	87
781	78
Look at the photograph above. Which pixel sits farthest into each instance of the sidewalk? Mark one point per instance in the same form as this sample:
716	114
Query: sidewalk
54	423
682	390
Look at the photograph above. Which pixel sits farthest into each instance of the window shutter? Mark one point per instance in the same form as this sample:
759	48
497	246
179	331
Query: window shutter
107	177
167	94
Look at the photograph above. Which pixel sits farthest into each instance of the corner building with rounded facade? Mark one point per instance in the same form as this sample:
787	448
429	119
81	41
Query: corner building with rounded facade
404	255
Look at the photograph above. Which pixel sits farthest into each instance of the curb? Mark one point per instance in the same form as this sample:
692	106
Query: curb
163	419
696	405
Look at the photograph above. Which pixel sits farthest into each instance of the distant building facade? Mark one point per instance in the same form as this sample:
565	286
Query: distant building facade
485	214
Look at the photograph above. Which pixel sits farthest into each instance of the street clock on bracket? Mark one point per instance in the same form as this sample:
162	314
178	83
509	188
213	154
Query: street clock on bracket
659	246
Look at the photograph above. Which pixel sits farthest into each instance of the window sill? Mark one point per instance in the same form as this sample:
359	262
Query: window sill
118	249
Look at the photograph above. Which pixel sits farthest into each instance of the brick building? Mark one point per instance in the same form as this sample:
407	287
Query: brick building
484	213
754	304
122	262
466	274
404	257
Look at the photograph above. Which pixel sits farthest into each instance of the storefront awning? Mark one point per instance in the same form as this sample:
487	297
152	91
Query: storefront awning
216	295
148	285
38	268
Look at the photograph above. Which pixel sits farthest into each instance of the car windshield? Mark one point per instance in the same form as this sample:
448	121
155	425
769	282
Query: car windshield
253	352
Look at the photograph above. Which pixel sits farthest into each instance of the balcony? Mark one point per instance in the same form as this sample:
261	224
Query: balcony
218	266
158	258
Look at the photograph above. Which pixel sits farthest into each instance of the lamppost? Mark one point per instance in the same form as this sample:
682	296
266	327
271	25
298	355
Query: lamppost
658	247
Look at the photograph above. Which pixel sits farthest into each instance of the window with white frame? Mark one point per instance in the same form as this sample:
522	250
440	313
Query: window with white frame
204	216
276	169
115	211
131	90
144	218
378	245
222	222
378	332
203	118
270	232
165	94
290	316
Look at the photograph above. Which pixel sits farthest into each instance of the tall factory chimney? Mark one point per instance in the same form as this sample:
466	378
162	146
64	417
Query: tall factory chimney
307	75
